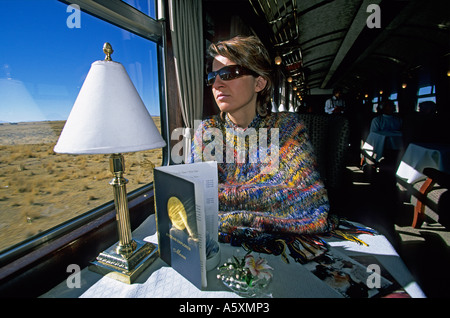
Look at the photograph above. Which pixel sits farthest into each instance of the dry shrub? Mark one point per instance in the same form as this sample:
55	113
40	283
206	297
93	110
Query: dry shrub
103	175
44	188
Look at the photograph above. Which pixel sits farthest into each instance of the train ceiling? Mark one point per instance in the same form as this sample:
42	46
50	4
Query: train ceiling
347	43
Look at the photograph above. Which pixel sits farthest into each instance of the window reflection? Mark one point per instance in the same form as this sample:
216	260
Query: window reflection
145	6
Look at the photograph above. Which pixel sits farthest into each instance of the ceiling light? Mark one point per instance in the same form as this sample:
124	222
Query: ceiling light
278	60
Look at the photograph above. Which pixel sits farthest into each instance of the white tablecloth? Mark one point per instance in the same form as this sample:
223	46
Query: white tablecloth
289	280
422	155
376	142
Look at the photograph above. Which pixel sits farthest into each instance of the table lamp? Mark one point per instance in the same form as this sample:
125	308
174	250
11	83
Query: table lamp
109	117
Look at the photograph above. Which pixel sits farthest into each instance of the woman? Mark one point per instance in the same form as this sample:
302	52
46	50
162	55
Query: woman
279	195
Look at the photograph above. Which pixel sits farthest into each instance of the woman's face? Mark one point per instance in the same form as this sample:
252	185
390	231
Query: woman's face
236	96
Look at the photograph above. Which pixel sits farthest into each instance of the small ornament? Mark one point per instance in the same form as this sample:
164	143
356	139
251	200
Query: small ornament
247	277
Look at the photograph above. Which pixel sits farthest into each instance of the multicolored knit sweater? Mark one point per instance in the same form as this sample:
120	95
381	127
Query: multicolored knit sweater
268	186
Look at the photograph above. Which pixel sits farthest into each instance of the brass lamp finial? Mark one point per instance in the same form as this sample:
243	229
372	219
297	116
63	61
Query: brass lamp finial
108	50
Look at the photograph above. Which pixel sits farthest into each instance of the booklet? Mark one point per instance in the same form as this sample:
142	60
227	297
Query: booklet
187	207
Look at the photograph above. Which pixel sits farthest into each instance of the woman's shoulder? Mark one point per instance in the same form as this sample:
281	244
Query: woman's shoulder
283	118
211	122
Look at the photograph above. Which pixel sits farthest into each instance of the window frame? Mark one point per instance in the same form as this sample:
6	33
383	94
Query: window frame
426	96
122	15
19	261
394	98
375	102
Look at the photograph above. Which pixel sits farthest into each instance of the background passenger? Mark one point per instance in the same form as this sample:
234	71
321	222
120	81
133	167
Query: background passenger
335	104
387	121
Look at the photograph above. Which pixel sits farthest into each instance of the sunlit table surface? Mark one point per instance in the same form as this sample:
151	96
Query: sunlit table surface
377	141
289	280
422	155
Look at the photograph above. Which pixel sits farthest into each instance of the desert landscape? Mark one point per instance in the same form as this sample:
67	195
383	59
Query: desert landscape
40	189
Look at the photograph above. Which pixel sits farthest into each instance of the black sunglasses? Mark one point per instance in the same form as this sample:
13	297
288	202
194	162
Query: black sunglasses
228	73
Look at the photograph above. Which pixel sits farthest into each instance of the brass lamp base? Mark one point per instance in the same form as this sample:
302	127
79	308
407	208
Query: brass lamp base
125	268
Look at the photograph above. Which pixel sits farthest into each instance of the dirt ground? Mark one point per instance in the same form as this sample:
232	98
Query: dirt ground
40	189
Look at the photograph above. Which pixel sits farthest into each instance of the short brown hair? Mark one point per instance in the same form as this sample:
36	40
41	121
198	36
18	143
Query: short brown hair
250	53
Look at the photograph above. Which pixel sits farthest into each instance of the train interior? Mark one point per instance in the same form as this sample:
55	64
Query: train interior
372	51
327	44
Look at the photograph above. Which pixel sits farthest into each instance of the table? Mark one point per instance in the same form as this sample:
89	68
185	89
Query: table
378	141
422	155
290	280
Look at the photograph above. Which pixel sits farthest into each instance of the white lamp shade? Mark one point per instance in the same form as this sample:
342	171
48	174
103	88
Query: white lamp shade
108	116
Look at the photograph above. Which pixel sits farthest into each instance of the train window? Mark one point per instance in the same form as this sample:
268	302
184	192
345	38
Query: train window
145	6
47	52
375	104
394	98
424	94
282	101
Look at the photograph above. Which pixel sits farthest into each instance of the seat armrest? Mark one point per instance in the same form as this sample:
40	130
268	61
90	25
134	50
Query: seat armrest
442	178
433	176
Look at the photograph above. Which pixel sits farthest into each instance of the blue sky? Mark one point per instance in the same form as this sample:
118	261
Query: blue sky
43	62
